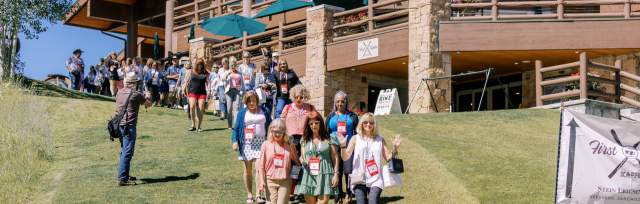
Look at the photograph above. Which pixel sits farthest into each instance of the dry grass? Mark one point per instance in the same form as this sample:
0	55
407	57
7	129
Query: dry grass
26	145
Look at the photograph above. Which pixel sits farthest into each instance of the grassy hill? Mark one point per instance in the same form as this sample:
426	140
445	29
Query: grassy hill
55	150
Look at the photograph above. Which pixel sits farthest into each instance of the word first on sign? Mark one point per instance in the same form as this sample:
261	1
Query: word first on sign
598	161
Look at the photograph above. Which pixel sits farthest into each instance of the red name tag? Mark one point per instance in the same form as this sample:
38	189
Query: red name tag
314	165
372	167
278	160
247	79
284	88
342	127
248	133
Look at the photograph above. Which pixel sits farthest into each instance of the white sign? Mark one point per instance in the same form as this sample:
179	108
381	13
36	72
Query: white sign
367	48
598	161
388	102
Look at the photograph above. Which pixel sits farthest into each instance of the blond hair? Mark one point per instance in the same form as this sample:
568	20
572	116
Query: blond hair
299	90
247	96
233	62
370	118
280	126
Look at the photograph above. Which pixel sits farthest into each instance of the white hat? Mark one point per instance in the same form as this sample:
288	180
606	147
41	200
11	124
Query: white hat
275	54
131	77
246	54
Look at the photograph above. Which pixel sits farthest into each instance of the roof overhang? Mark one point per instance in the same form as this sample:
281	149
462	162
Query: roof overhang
111	15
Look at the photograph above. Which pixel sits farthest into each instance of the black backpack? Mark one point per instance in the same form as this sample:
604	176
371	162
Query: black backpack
113	125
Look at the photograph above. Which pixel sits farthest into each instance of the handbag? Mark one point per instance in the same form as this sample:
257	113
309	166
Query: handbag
113	125
296	172
395	165
357	177
390	179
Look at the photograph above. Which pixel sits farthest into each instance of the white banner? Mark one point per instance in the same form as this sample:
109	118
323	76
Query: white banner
598	161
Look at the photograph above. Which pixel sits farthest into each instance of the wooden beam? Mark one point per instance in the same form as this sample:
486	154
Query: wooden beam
583	75
538	83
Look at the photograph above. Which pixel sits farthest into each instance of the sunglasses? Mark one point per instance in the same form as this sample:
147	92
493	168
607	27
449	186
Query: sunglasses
368	123
314	123
277	132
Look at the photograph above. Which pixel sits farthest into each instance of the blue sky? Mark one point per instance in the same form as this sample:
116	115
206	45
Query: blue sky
46	55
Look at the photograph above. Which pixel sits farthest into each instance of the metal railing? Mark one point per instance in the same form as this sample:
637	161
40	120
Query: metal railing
283	38
587	79
495	10
383	15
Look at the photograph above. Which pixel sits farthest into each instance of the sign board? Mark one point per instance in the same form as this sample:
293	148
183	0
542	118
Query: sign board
388	102
598	160
368	48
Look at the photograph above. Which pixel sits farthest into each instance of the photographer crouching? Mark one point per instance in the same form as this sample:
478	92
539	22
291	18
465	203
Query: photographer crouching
129	101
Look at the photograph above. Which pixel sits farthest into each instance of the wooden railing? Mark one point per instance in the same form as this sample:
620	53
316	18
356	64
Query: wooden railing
283	38
591	80
495	10
630	89
185	14
387	14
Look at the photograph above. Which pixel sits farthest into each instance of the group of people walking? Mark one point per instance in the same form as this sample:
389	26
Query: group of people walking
290	153
159	79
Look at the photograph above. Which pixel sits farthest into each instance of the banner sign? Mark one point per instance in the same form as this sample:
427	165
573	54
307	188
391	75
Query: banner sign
388	102
598	160
367	48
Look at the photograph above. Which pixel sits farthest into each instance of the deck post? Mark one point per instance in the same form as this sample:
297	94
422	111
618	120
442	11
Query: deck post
370	16
560	11
627	9
618	64
583	75
538	81
494	10
280	36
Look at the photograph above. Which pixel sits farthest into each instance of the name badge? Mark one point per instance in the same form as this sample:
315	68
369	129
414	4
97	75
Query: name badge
372	167
314	165
235	83
248	133
284	88
342	127
247	79
278	160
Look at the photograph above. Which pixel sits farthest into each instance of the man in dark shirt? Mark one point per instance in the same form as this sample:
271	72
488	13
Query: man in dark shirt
128	125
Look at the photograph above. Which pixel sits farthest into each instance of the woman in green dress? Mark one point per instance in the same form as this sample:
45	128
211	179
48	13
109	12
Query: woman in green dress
319	157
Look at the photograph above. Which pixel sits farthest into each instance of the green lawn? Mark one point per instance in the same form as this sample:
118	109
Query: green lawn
487	157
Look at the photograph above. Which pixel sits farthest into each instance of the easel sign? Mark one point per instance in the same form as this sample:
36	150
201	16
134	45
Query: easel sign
388	102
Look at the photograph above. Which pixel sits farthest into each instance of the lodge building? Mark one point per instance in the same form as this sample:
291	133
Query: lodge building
540	52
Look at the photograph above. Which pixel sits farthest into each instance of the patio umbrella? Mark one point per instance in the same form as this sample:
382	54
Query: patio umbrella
233	25
281	6
156	46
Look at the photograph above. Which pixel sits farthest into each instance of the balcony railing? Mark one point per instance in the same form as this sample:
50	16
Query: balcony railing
496	10
283	38
580	80
388	14
185	14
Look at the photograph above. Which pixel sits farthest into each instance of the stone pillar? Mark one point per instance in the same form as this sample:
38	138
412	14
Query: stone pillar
197	49
425	61
246	8
168	28
319	24
132	33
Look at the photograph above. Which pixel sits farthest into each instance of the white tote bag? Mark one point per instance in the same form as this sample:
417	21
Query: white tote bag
390	179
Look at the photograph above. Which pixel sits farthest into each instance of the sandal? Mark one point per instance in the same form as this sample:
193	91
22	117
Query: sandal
249	200
260	200
192	129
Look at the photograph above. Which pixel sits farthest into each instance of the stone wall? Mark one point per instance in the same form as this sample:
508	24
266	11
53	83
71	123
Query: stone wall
425	60
316	78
